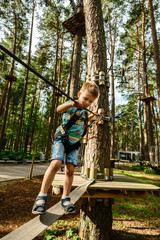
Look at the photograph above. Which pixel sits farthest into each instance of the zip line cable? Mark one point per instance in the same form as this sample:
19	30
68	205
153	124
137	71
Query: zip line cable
44	79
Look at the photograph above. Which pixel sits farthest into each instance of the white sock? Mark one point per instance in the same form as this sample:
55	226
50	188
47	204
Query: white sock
42	194
66	202
41	201
64	197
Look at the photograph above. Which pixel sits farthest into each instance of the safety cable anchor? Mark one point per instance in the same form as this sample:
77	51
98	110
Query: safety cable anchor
107	118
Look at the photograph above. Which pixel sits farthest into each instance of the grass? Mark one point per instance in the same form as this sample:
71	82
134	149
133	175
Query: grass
62	228
147	210
136	209
141	173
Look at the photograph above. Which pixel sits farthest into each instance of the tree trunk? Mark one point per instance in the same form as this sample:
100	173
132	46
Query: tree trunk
58	85
156	131
70	71
74	82
35	118
52	109
2	141
155	47
148	128
112	46
141	138
30	119
25	85
125	136
3	99
97	153
2	137
95	222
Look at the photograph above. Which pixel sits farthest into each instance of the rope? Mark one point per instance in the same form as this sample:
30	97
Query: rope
43	78
93	124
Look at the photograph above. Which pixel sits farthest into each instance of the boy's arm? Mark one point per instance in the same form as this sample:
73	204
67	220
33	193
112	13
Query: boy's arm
65	106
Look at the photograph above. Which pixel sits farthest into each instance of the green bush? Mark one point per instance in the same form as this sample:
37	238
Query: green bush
149	170
157	170
2	154
18	155
137	168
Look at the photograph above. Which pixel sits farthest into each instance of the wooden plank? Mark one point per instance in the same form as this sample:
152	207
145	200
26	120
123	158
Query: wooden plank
111	194
120	182
31	229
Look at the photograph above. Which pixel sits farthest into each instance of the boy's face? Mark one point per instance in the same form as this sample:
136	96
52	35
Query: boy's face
86	98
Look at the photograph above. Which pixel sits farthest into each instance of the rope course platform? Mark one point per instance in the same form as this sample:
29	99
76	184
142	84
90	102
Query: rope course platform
147	98
31	229
120	187
74	23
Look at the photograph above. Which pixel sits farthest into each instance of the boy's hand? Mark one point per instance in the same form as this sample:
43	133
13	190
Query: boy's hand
78	104
95	115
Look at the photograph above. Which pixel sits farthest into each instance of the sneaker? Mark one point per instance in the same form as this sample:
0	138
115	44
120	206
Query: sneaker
67	205
39	205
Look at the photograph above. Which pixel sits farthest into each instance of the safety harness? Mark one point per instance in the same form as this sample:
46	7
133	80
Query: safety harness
64	135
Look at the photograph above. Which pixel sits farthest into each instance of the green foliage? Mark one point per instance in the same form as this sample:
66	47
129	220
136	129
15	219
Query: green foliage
18	155
49	17
148	170
137	168
50	234
61	228
146	209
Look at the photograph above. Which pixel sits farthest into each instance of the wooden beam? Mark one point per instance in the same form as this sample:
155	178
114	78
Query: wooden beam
111	194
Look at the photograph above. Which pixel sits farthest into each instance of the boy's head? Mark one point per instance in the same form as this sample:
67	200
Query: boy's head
88	93
91	87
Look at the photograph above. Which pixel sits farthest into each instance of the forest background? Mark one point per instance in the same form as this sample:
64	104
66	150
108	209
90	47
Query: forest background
28	116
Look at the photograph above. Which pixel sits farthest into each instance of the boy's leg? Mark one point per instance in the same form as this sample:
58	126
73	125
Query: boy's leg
58	156
68	179
39	205
71	162
49	175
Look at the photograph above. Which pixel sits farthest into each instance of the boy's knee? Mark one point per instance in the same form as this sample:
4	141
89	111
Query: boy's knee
56	164
69	169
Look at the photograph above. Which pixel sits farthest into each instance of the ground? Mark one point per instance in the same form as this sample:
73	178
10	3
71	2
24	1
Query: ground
18	196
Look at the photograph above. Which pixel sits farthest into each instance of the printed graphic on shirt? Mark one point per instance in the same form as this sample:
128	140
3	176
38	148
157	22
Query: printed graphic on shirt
76	131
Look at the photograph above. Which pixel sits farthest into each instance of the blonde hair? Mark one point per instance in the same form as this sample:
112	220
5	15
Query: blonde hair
90	87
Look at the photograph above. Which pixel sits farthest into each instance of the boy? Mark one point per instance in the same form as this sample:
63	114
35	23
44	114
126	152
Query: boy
67	142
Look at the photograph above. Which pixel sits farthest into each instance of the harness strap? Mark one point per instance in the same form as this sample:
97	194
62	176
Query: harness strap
64	135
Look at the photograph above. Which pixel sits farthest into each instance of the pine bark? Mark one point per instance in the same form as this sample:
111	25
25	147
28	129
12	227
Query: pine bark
30	120
95	222
25	85
141	138
148	128
74	81
155	47
53	100
112	52
97	152
9	85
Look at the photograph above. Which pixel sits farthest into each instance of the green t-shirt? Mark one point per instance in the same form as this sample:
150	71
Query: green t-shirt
75	132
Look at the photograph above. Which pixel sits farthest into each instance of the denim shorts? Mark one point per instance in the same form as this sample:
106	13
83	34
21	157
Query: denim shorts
58	152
